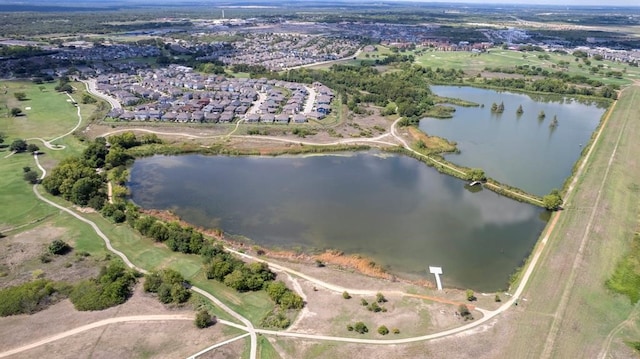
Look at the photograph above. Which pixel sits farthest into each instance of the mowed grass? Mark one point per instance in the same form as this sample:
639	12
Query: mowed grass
19	205
567	295
50	115
266	350
475	63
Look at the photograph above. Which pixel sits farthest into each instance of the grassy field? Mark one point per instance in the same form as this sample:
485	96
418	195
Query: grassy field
475	63
51	116
573	310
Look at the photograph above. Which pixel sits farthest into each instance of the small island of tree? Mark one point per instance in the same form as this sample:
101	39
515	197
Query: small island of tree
554	122
519	111
541	115
500	108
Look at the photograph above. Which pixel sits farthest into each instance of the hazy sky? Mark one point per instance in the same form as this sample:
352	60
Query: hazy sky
552	2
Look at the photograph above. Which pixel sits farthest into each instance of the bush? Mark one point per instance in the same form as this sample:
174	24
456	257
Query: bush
169	285
203	319
346	295
111	288
275	319
31	297
59	247
374	307
350	327
470	295
363	302
497	299
463	310
382	330
396	331
380	298
360	327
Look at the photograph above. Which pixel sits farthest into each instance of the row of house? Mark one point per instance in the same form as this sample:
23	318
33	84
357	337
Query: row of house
177	94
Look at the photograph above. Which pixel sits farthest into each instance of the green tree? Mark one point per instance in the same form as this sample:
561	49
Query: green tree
18	146
31	177
476	174
553	200
470	295
380	298
382	330
20	96
32	148
346	295
203	319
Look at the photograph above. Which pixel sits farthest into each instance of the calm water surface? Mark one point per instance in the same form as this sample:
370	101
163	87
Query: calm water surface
393	209
521	151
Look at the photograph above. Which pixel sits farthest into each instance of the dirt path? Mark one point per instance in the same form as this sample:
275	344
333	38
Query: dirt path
68	333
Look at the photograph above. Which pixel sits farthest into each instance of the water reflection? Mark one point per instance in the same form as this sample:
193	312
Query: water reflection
395	209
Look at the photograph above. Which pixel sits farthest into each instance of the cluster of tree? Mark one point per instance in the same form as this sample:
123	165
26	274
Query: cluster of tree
30	176
175	236
31	297
88	99
283	296
21	52
553	200
76	178
169	285
552	85
497	108
395	58
254	70
76	181
20	145
64	85
233	272
112	287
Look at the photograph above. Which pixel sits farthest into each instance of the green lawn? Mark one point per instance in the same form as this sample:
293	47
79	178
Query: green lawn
470	62
19	206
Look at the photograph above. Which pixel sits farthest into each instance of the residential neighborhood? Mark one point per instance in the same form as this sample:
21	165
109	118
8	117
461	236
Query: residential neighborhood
179	94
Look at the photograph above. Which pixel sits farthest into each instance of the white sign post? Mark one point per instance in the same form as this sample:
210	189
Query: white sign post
436	271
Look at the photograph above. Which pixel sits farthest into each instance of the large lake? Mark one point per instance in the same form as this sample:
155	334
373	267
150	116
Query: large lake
394	209
521	151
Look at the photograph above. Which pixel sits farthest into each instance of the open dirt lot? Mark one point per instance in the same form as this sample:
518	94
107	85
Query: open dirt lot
20	258
158	339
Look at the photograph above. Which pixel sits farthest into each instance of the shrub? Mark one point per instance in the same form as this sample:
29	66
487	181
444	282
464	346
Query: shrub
497	299
374	307
111	288
59	247
360	327
346	295
396	331
380	298
275	319
203	319
31	297
363	302
169	285
464	312
470	295
350	327
382	330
